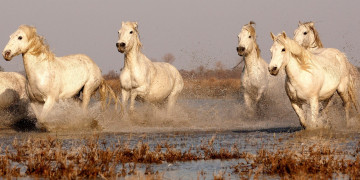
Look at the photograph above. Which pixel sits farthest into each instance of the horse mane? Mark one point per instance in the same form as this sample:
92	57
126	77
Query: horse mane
249	27
302	55
38	43
134	26
316	34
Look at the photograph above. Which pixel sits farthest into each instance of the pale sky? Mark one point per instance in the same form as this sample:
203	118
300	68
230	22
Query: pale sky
196	32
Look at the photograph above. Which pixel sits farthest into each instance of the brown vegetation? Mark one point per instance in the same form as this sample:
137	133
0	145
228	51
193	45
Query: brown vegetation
95	158
316	162
48	158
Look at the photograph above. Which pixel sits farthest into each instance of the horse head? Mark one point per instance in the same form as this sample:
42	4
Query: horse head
307	36
247	40
19	42
128	37
280	53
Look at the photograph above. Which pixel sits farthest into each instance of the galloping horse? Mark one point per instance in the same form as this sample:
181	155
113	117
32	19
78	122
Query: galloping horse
255	78
151	81
52	78
12	89
311	78
307	36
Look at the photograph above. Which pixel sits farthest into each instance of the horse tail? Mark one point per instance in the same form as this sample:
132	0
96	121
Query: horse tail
106	92
351	89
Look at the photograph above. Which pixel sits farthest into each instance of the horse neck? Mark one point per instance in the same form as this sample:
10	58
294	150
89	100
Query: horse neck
252	60
134	58
34	63
313	46
293	68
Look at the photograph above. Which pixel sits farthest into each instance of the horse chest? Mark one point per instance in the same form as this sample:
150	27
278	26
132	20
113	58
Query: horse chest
130	80
298	92
40	86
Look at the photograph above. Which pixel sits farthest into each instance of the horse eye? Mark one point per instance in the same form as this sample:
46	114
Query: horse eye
283	50
249	36
305	33
131	32
20	38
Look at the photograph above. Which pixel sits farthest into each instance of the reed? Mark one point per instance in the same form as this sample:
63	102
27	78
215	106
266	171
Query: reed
95	158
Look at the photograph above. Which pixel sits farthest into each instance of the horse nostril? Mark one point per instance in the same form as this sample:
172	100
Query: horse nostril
122	44
242	48
7	53
117	44
274	69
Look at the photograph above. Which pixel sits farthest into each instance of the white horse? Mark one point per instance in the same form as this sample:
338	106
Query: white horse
12	89
311	78
308	37
151	81
51	78
255	78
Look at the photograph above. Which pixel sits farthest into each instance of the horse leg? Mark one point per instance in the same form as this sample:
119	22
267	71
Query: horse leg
132	100
89	89
326	103
259	95
124	98
346	103
49	103
314	106
35	110
297	106
249	104
171	101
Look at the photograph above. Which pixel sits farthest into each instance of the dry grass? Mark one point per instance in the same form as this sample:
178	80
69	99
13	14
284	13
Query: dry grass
315	162
211	87
94	158
48	158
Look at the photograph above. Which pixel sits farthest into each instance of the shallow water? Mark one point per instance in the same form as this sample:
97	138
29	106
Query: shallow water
246	141
193	123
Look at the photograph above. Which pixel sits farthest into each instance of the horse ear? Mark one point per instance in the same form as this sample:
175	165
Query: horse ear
272	36
311	24
300	23
284	34
135	25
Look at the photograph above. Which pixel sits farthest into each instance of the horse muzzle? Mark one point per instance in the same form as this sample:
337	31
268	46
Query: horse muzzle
240	50
120	47
273	70
7	55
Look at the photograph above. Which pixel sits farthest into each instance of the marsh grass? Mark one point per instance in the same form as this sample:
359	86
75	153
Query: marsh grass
95	158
